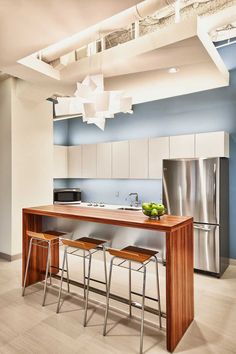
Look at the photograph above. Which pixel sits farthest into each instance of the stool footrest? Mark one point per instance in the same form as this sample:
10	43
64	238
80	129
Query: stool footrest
115	297
146	297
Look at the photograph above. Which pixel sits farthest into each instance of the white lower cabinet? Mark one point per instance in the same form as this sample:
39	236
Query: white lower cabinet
159	149
60	161
104	160
182	146
89	161
74	161
138	158
120	159
215	144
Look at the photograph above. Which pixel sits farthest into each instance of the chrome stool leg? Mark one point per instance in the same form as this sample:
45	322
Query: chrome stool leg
158	291
143	303
62	273
67	270
27	266
87	292
130	298
46	274
105	264
108	296
84	271
50	267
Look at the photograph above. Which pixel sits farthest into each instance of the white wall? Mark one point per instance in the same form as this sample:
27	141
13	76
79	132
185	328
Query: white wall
5	166
29	158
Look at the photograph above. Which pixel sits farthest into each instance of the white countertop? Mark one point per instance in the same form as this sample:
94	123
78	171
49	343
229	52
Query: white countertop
106	206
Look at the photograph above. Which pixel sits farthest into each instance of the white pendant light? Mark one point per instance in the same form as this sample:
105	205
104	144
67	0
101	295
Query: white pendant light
102	101
93	102
89	110
125	104
76	106
99	122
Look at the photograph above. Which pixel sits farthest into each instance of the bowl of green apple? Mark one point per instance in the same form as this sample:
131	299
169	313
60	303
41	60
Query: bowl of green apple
153	210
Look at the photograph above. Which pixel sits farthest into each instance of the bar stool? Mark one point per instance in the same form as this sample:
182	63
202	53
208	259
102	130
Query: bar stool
38	239
87	245
142	257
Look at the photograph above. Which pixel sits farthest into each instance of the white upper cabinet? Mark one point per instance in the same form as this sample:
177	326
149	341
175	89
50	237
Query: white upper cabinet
104	160
182	146
89	161
60	162
215	144
120	159
74	162
159	149
135	159
139	158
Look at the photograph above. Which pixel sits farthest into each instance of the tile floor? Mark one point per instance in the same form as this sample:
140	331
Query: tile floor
27	328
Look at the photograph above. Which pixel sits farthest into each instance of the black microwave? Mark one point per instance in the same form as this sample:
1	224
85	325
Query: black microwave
67	196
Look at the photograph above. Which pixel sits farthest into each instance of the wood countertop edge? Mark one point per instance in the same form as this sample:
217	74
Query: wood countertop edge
108	220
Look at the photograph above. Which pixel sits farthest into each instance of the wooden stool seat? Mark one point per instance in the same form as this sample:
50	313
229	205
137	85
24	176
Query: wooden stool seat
84	243
46	235
133	253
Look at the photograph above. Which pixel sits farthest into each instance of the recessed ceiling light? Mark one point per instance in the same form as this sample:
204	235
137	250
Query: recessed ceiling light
173	70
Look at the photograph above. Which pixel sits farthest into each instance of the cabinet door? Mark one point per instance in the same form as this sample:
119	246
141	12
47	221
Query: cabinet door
182	146
74	162
120	159
89	161
215	144
104	160
139	158
159	149
60	163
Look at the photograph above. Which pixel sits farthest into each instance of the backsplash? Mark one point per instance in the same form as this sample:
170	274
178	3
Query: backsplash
116	191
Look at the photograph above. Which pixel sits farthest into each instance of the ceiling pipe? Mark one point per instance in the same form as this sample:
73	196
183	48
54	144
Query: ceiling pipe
219	19
223	34
123	19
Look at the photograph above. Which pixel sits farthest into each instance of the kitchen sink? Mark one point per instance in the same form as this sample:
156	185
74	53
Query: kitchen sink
127	208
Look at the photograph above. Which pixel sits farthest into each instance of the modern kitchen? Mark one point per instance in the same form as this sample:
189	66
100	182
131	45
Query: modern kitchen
118	169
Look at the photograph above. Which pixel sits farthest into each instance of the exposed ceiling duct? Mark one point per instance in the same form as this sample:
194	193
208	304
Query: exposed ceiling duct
121	20
148	16
214	14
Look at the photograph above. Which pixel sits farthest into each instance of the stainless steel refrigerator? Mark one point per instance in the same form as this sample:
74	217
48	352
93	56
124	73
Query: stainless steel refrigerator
199	188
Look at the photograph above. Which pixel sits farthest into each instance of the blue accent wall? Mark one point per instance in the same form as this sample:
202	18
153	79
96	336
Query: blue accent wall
60	132
228	54
211	110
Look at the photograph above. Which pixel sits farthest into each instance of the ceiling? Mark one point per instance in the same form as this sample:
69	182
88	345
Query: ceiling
27	26
140	66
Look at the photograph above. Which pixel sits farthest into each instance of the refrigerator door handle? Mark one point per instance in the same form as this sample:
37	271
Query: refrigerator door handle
202	227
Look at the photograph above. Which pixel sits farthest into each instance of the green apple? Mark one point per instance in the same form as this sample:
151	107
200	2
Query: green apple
147	206
147	212
160	207
154	206
154	212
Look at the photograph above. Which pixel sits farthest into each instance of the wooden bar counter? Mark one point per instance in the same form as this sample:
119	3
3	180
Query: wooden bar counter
179	255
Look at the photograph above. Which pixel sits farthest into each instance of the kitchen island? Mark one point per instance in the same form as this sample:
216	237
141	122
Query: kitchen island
179	254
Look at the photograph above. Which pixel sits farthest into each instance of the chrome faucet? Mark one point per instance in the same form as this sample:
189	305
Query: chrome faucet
134	202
